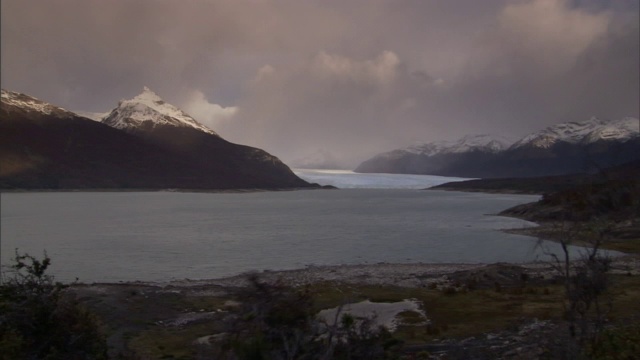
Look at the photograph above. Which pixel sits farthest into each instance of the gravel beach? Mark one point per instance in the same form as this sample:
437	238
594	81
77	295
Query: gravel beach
403	275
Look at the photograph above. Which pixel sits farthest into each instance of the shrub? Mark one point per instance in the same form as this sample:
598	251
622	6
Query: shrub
275	321
38	321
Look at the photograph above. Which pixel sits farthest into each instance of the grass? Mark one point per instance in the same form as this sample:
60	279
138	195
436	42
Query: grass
176	342
411	318
630	246
206	303
469	313
625	294
458	314
169	343
451	314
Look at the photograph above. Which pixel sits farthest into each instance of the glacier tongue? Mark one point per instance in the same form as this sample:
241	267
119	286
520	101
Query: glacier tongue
148	107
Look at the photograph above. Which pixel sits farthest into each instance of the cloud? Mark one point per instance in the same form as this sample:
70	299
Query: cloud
331	102
298	77
379	70
210	115
264	73
550	32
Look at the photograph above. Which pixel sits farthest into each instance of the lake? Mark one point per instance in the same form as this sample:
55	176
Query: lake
155	236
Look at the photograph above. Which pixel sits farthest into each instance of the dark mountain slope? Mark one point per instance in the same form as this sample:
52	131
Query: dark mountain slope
46	147
213	155
149	117
559	159
47	151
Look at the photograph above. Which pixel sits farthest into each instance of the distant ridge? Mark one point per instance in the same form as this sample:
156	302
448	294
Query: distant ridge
585	132
565	148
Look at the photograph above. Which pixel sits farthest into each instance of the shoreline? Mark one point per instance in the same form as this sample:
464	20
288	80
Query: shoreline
407	275
552	231
168	190
486	191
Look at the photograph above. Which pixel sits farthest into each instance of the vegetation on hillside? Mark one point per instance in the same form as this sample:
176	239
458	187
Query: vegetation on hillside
626	173
608	209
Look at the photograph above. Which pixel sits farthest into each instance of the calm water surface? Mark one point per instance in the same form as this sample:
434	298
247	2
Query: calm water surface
120	236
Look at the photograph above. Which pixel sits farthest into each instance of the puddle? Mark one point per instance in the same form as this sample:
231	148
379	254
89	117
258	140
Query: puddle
385	313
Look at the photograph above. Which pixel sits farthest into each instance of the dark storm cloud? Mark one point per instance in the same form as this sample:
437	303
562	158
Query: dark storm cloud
345	78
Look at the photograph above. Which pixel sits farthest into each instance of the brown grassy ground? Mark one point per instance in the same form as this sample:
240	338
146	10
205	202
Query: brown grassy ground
165	321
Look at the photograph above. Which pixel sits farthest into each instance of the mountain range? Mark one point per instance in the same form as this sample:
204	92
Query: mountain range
143	143
572	147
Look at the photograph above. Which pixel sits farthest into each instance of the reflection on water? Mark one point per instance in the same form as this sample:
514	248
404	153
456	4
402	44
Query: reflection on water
346	179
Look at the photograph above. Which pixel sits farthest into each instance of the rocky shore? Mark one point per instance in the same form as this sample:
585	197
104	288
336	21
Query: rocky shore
403	275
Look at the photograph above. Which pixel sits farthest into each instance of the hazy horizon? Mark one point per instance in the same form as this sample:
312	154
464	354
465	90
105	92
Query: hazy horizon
342	80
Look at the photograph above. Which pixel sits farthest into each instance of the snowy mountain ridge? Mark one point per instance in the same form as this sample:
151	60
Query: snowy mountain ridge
148	109
583	132
95	116
570	147
483	142
32	104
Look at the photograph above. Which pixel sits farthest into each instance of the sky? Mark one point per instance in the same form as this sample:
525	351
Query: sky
333	80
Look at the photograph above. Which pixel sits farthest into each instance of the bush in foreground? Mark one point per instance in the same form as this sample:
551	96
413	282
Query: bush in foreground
275	321
37	320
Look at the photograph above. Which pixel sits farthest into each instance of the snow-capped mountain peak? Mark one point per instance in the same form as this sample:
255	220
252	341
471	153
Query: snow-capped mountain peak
583	132
623	129
30	103
482	142
149	110
148	94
